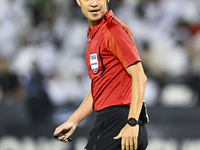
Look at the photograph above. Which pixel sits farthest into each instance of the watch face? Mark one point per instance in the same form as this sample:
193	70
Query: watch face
132	122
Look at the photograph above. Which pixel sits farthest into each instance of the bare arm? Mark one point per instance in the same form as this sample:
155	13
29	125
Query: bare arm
129	134
138	88
84	110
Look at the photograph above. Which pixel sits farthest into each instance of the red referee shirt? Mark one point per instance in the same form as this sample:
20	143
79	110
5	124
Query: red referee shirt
111	49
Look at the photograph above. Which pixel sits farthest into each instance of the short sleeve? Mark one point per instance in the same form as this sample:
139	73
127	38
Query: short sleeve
120	43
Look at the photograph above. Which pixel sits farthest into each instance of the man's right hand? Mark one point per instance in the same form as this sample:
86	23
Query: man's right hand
65	131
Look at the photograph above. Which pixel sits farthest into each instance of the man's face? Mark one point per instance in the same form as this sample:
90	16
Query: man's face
93	10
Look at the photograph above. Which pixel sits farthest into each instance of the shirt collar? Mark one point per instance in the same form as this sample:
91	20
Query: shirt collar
91	32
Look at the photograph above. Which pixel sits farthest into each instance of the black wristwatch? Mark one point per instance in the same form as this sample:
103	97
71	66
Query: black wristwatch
132	122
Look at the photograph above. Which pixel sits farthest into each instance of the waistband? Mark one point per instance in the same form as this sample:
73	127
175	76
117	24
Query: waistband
111	108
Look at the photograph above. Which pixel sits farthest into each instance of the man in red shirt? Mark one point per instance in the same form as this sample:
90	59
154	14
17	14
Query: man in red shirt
117	84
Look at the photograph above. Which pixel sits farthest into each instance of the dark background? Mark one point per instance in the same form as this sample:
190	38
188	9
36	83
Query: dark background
43	77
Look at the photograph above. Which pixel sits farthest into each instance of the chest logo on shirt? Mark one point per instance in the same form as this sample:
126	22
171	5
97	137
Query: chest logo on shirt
94	62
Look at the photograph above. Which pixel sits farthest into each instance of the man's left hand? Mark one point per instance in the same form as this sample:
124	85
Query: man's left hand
129	137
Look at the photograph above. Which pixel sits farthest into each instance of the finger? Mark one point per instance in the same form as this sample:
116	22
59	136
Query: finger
135	143
61	137
118	136
123	144
65	139
127	144
56	133
70	132
56	136
131	144
57	130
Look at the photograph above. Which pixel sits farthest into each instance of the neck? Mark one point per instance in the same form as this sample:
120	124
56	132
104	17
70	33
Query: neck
92	23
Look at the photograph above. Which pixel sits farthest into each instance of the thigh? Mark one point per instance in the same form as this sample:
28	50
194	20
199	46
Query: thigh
107	126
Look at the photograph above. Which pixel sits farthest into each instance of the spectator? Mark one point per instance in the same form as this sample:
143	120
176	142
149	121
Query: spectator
9	83
38	102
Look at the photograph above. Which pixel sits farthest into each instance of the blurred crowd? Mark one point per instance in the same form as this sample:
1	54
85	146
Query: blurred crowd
43	45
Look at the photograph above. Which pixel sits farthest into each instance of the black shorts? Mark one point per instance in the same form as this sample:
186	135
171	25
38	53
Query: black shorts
108	124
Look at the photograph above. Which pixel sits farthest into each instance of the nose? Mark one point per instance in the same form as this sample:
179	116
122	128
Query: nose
94	3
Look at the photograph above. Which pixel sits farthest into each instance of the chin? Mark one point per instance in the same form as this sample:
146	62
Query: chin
95	19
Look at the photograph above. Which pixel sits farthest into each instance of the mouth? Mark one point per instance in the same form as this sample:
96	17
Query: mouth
94	11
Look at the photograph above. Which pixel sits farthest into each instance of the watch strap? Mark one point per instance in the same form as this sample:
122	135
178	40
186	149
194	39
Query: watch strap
133	122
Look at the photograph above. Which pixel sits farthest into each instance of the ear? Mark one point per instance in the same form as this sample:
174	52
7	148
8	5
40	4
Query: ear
78	2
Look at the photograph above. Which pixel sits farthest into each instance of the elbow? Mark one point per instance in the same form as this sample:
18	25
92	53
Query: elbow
144	78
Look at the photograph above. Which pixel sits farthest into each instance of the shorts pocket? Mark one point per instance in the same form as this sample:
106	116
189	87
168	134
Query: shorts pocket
94	136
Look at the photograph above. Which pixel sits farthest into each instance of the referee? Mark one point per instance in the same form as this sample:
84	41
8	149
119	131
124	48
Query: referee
117	84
